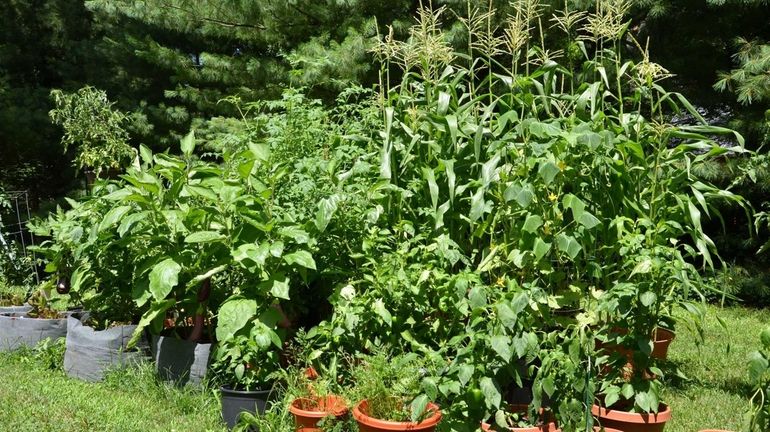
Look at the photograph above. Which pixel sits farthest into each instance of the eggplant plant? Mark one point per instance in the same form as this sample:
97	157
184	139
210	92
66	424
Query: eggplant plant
208	240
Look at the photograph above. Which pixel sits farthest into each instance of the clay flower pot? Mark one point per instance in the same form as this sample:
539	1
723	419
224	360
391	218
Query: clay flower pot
605	429
631	421
662	339
371	424
545	427
548	424
309	411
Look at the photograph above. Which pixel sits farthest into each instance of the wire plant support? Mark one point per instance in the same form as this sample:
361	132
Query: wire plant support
15	237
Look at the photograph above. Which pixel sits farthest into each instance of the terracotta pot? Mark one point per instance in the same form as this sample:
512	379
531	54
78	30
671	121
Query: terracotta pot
605	429
631	421
371	424
545	427
309	411
549	425
662	340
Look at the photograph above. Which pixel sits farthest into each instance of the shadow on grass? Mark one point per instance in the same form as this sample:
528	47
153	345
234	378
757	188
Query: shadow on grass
677	381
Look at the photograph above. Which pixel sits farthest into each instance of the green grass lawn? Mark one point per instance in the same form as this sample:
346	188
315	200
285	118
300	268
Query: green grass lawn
716	395
35	399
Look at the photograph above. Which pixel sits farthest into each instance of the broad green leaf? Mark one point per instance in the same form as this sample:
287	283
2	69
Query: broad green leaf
647	401
491	393
382	311
568	244
758	367
188	144
506	315
540	249
145	153
575	204
157	311
611	398
532	223
501	347
548	172
250	251
648	298
302	258
418	406
129	221
588	220
523	195
643	267
326	209
163	278
280	289
233	315
202	191
264	336
113	216
465	373
548	386
204	237
430	387
295	233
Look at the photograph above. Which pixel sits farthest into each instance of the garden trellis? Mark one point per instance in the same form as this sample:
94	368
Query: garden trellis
15	238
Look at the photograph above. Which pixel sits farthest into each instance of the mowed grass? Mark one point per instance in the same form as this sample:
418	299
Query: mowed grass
717	392
35	399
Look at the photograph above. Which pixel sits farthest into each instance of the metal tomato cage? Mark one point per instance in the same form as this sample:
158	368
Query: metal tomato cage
15	237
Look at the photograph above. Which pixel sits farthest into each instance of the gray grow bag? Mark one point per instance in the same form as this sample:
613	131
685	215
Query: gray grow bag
18	330
15	309
179	361
90	353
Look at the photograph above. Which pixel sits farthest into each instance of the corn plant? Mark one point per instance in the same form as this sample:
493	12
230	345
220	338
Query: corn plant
560	187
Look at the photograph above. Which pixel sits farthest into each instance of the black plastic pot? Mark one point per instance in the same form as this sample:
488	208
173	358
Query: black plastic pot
235	402
179	361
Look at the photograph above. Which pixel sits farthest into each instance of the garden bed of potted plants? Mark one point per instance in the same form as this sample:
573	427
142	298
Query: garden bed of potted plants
488	242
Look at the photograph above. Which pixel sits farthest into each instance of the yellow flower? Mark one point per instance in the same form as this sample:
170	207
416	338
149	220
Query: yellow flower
562	165
553	197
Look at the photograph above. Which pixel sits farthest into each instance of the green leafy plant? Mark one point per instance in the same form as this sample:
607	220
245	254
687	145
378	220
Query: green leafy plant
393	386
758	418
93	127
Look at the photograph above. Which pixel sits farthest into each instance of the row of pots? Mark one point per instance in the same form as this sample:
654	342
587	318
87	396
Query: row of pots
308	412
90	353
